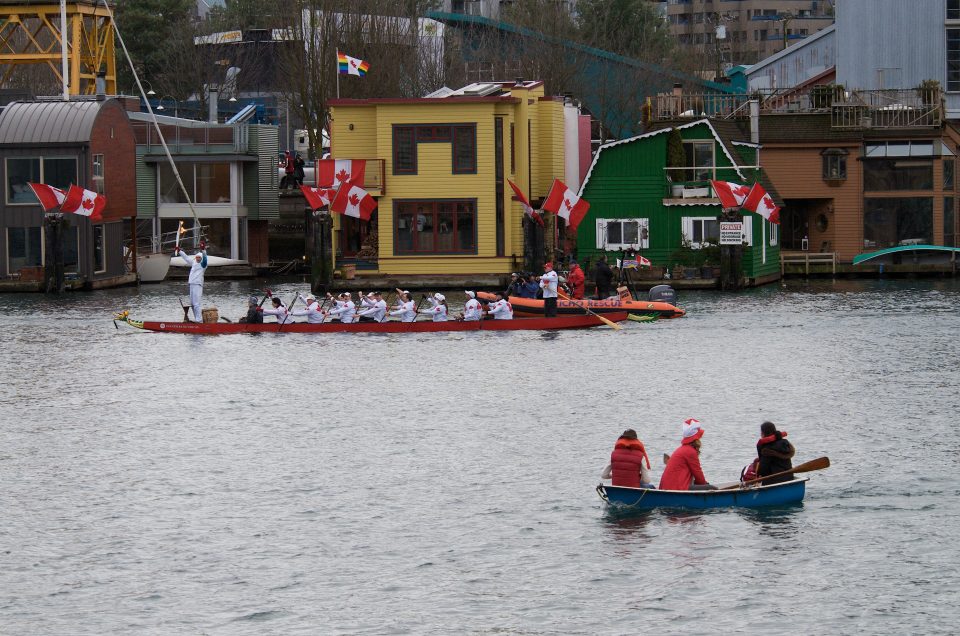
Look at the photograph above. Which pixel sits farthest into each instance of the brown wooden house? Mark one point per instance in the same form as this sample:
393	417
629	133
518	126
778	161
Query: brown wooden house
85	142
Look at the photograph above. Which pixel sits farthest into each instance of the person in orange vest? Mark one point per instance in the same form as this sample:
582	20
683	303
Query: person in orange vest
576	279
627	460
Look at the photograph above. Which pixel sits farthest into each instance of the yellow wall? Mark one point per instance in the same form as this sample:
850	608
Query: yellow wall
372	137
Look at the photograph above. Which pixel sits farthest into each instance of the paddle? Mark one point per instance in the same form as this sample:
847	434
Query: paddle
814	464
592	313
416	312
289	307
185	308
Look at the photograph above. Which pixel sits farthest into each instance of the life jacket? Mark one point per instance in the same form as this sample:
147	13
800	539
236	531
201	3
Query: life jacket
626	462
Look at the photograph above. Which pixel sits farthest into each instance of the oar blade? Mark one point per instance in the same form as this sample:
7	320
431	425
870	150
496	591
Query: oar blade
814	464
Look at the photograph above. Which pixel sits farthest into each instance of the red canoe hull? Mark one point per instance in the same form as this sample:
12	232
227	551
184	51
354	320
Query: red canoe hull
533	307
561	322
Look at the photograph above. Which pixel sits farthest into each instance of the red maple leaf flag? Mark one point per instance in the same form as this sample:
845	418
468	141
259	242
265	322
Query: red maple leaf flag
336	172
48	196
84	202
318	197
527	208
563	202
352	200
731	195
762	203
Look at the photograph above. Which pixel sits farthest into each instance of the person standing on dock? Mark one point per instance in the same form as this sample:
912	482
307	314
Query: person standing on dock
683	470
373	308
548	283
501	309
405	308
472	309
311	311
198	264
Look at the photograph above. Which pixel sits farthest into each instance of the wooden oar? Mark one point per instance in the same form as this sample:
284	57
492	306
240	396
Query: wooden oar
589	311
289	307
814	464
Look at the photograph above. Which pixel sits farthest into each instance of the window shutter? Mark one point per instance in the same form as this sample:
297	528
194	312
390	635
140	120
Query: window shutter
601	234
644	233
748	228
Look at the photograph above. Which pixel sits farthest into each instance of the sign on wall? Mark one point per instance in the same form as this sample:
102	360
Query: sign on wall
731	232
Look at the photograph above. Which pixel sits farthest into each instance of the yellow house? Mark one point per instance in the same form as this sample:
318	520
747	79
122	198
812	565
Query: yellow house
439	166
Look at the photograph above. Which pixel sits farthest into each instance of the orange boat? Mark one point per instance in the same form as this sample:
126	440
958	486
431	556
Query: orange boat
533	307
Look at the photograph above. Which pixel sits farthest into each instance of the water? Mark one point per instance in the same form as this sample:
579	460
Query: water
443	484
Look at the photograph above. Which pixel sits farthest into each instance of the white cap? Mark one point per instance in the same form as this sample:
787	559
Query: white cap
470	294
439	297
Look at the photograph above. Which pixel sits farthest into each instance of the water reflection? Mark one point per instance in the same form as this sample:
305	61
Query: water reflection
780	522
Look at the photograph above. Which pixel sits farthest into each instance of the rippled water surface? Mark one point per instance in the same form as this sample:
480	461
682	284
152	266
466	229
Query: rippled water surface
442	484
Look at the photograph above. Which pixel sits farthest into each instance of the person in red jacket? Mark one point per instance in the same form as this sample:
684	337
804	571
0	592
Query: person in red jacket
575	280
683	470
626	462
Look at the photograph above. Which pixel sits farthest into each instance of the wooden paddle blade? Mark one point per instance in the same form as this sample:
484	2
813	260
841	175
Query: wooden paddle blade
666	458
608	321
814	464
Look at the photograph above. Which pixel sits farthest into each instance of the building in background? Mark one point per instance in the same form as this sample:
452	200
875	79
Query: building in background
745	31
492	9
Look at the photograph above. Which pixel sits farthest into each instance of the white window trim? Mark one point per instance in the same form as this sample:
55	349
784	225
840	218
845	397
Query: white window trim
602	244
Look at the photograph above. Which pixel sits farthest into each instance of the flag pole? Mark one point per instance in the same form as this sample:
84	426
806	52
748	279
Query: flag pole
336	71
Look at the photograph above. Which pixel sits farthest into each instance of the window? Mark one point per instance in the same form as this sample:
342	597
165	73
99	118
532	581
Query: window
881	175
698	155
953	9
949	222
897	221
699	231
953	59
404	150
24	248
464	149
620	234
948	172
463	138
58	172
98	173
99	251
435	227
205	182
834	163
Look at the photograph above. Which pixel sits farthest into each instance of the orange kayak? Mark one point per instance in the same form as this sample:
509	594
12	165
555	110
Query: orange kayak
533	307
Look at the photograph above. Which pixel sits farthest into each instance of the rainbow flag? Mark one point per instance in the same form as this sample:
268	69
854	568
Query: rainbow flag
347	65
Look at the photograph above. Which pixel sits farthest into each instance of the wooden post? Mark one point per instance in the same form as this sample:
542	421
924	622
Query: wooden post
731	257
321	261
53	276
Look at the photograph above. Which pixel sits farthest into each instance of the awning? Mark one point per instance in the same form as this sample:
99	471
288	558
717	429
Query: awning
202	158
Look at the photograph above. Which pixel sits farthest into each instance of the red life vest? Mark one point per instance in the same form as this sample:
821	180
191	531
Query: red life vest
625	462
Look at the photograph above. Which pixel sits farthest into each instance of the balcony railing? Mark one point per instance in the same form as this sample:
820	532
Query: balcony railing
201	139
902	108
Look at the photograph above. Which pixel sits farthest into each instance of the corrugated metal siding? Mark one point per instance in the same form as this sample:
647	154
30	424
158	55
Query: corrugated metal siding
146	186
265	141
890	34
48	122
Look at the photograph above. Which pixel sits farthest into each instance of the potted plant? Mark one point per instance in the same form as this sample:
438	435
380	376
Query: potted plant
710	253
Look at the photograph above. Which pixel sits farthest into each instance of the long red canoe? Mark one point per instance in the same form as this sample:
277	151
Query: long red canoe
560	322
534	306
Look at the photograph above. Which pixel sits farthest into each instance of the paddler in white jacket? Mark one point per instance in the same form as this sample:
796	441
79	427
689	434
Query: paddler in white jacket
405	308
344	311
374	308
500	310
438	307
312	310
279	310
472	310
197	263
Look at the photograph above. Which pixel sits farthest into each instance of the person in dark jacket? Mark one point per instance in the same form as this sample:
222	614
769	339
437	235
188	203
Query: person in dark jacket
774	453
254	313
603	276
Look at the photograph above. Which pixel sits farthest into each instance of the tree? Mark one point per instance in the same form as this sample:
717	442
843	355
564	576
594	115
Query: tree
157	33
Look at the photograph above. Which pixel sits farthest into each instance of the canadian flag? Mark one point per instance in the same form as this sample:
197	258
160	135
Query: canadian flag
48	196
527	208
762	203
731	195
84	202
318	197
336	172
354	201
565	204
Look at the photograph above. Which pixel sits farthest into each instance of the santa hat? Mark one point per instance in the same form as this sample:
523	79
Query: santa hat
548	264
692	431
470	294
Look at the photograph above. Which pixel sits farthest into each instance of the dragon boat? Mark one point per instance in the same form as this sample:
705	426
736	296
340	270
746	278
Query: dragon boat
581	321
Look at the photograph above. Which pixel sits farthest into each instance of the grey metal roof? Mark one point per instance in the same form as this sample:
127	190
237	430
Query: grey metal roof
48	122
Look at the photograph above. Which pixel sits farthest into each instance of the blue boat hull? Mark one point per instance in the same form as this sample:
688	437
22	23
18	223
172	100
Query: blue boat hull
788	492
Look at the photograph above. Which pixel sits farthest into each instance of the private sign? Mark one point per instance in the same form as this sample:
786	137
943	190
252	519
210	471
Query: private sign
731	233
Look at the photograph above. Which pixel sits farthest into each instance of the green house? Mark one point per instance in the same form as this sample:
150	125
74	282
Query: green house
670	214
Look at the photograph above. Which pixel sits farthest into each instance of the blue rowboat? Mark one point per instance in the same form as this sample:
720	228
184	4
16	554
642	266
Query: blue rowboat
621	497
